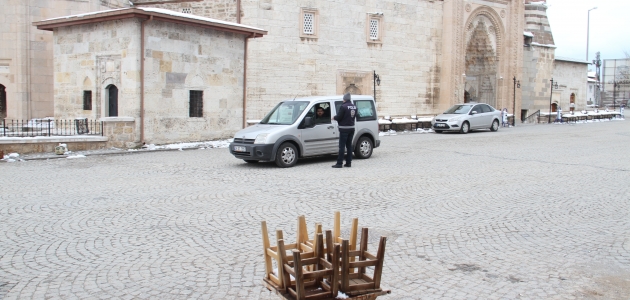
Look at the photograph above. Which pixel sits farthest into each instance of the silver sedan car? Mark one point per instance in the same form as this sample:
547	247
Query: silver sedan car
466	117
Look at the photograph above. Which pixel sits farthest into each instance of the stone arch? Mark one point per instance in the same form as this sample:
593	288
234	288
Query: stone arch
352	89
87	83
483	43
104	95
3	101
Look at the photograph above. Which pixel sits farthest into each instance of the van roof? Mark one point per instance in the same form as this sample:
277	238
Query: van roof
333	97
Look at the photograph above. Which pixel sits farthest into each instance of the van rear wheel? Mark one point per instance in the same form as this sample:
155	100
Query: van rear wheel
364	148
286	156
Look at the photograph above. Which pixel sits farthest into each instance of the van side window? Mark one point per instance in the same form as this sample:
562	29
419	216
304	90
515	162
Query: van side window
365	110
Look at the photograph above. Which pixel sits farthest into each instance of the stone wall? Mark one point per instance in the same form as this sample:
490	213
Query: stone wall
183	58
216	9
120	132
178	59
26	59
572	79
284	65
92	57
537	73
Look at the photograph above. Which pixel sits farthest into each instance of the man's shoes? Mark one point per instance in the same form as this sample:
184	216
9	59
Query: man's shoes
336	166
347	165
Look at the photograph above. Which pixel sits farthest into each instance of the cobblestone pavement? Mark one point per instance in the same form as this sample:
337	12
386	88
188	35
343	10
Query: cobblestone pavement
531	212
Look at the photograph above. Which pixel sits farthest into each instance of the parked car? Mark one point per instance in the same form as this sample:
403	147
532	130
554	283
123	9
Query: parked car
466	117
292	130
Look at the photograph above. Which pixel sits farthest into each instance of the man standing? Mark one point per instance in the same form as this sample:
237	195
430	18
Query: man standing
345	120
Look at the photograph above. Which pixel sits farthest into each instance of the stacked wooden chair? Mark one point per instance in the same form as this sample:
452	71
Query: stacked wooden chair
318	268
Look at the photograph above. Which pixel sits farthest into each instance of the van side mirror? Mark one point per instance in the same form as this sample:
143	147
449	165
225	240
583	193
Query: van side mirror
308	122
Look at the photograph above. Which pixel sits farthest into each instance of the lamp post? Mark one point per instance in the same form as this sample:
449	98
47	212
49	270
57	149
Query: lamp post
377	81
550	96
588	23
517	84
464	78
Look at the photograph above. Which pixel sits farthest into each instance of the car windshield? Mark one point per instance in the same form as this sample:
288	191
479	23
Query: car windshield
285	113
459	109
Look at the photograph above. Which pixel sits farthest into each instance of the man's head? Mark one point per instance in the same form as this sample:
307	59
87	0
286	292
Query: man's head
346	97
320	112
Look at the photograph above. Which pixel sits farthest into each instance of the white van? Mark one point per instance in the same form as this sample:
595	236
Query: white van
291	131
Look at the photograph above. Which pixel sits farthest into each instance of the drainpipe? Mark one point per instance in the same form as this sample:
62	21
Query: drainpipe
142	78
245	83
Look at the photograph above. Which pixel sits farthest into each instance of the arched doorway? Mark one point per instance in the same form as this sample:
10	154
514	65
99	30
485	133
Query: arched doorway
554	107
112	101
3	102
481	60
572	102
466	96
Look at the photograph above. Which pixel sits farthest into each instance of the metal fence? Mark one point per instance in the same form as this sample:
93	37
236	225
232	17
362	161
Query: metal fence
50	127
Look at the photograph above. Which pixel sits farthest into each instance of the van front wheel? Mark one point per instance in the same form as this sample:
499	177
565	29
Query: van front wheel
364	148
286	156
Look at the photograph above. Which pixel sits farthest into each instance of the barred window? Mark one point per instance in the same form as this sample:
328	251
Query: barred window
374	29
196	104
87	100
187	10
308	23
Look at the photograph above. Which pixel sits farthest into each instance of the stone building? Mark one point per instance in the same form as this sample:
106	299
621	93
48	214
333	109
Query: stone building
26	61
162	76
419	49
572	78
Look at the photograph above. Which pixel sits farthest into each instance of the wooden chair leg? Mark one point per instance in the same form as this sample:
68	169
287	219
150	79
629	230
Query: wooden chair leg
335	266
282	273
280	263
299	278
380	256
345	249
353	238
265	240
363	248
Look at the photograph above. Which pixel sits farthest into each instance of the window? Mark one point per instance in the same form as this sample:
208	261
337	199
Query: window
87	100
365	110
196	104
309	23
374	28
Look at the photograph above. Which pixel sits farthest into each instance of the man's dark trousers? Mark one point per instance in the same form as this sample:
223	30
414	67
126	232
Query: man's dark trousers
345	141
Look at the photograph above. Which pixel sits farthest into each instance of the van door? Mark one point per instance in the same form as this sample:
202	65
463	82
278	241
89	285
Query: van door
322	137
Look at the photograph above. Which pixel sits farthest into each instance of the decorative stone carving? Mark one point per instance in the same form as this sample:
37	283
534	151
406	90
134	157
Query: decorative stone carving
468	7
502	13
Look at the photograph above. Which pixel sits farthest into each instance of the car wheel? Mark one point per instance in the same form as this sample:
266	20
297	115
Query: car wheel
250	161
286	156
364	148
495	125
438	131
465	128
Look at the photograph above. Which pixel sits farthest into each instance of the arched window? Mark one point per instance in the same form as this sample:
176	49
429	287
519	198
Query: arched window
112	100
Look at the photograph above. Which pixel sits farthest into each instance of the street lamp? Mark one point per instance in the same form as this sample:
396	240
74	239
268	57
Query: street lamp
550	96
517	84
464	77
588	23
377	81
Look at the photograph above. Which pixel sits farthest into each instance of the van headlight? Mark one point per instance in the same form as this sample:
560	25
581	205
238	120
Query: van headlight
261	138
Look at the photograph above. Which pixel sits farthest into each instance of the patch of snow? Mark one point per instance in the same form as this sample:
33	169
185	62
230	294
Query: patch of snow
341	295
76	156
529	34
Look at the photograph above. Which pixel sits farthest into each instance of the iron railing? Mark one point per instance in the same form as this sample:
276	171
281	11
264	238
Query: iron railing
532	117
50	127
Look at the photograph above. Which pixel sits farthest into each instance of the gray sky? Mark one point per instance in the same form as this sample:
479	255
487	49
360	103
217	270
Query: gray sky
609	27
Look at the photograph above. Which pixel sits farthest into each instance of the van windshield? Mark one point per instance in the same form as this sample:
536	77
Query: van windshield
285	113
